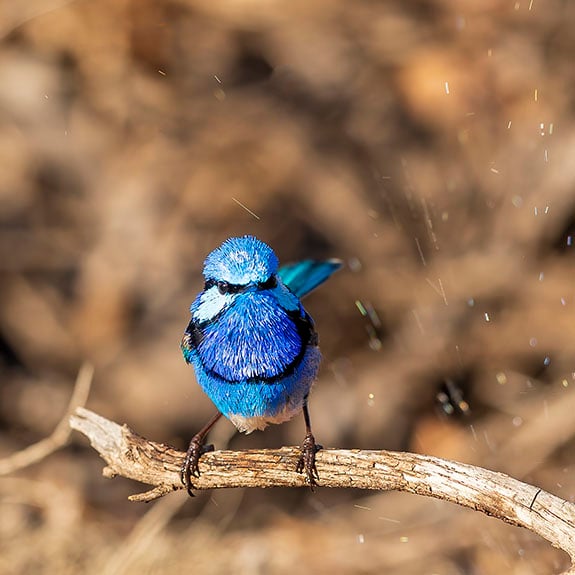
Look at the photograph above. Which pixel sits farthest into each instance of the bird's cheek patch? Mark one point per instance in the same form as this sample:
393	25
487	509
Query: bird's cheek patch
209	304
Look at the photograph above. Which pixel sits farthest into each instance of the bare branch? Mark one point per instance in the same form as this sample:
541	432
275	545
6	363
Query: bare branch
498	495
38	451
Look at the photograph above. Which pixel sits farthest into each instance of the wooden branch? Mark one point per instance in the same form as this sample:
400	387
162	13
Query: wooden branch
495	494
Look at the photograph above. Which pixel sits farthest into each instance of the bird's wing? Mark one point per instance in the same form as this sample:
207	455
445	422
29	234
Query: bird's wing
303	277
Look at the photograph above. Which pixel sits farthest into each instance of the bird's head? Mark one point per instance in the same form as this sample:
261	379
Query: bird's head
238	266
239	262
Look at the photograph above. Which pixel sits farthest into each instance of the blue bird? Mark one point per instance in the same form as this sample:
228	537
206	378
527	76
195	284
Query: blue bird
253	346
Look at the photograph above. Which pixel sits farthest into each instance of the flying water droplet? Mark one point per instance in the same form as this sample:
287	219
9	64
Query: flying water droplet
501	378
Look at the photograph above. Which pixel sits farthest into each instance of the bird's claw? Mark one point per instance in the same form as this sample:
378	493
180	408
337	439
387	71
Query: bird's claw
190	467
306	461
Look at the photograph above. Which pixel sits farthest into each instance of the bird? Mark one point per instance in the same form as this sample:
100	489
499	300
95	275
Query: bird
253	346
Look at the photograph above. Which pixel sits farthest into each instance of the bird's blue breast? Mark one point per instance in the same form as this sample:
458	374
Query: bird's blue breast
254	339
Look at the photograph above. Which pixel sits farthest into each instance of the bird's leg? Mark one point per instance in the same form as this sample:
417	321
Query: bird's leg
196	449
309	448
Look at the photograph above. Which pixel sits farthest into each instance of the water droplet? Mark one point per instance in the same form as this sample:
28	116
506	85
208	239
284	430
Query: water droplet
375	343
219	95
501	378
373	317
360	307
533	342
463	407
354	264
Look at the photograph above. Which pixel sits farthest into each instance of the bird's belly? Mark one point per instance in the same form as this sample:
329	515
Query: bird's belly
251	405
248	424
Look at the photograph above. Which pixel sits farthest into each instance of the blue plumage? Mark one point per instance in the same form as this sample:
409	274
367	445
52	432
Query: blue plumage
303	277
252	344
240	261
255	339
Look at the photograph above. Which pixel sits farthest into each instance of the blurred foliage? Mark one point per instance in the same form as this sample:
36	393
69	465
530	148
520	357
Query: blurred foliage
429	144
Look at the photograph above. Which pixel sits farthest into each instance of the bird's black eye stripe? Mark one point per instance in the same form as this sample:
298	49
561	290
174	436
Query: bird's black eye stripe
228	288
270	283
223	286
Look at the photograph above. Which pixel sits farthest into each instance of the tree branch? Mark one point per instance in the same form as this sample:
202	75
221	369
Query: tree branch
495	494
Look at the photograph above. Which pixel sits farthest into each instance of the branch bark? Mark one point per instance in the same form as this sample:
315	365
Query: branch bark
495	494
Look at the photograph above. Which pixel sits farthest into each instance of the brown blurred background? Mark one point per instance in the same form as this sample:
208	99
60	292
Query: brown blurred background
429	144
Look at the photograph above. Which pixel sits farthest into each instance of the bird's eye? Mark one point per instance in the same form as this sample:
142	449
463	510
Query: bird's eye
270	283
223	287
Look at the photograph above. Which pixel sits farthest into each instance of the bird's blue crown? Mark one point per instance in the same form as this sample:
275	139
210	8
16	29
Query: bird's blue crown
241	261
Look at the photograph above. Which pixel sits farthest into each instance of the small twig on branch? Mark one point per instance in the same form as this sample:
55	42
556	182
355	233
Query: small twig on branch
498	495
59	437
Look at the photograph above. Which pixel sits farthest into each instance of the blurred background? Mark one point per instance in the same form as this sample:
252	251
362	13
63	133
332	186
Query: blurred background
428	144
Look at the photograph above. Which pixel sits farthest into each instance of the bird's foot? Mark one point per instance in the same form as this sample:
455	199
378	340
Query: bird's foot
306	462
190	467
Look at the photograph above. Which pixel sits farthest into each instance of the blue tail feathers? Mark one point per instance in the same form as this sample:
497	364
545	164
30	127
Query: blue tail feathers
303	277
